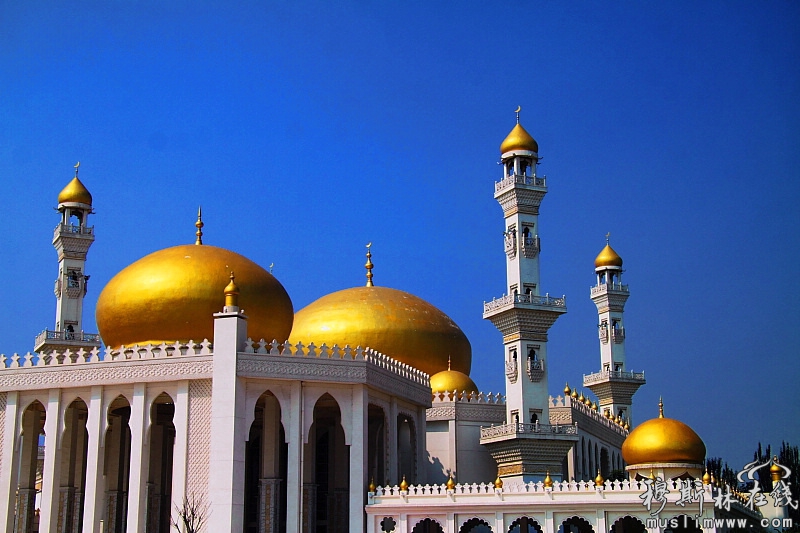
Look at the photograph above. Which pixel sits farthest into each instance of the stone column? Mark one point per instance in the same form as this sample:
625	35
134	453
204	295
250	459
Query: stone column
137	488
181	446
309	508
269	504
392	460
48	513
8	461
228	434
95	481
295	438
358	458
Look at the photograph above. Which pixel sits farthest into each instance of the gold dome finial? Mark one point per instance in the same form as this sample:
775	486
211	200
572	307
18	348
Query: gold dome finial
775	471
371	487
450	483
404	484
448	362
199	225
574	394
76	167
660	407
567	390
652	475
519	108
598	481
369	265
548	481
232	293
706	478
498	483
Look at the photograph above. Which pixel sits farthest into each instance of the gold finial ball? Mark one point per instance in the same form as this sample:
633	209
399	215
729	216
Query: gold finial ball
548	481
450	483
404	484
371	487
582	398
598	481
652	475
574	394
567	390
706	478
775	471
594	406
498	483
232	293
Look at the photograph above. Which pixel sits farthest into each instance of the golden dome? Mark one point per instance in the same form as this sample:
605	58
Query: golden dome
607	257
452	380
519	139
389	321
663	440
706	478
75	192
567	390
171	295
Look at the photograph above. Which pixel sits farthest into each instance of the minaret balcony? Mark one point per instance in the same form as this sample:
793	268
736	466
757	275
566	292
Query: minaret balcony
525	301
527	429
609	287
72	230
613	375
521	179
65	339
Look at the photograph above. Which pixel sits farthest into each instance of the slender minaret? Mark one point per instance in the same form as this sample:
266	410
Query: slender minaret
524	317
614	385
72	238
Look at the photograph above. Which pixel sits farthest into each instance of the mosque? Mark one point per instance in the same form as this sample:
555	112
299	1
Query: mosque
205	391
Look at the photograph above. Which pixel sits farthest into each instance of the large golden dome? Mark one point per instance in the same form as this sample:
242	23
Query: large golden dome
607	257
663	440
75	192
519	139
389	321
171	295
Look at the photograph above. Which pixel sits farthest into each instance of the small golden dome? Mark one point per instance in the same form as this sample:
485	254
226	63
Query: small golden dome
663	440
598	481
548	481
389	321
371	487
519	139
404	484
75	192
172	294
450	483
567	390
775	471
498	483
607	257
594	406
574	394
706	478
232	293
582	398
452	380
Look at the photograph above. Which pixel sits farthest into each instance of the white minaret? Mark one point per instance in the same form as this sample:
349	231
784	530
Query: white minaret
614	385
524	317
72	238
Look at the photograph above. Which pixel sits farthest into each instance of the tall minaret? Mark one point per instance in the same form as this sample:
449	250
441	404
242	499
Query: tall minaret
72	238
614	385
524	317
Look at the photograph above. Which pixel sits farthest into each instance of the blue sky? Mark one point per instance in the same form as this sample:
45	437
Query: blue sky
306	130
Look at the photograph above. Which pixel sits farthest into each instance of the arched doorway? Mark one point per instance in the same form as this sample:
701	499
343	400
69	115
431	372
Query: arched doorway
31	447
266	455
682	524
406	448
326	484
376	445
117	464
159	478
71	471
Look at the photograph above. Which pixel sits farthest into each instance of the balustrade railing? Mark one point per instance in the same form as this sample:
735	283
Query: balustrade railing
597	289
612	374
522	429
508	299
536	181
79	336
70	228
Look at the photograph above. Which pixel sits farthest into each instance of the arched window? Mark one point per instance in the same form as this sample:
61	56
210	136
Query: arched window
525	524
575	524
427	526
475	525
682	524
628	524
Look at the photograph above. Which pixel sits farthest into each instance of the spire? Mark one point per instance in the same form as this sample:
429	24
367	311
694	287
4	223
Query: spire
608	236
232	293
77	166
369	265
199	225
519	108
660	407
